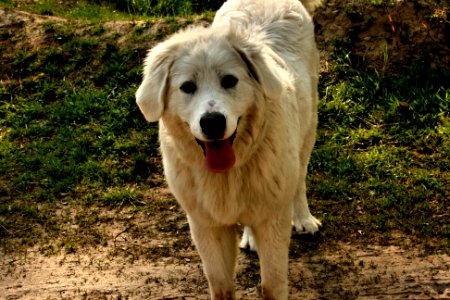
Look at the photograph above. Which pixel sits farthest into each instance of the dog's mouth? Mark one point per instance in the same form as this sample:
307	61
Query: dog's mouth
219	154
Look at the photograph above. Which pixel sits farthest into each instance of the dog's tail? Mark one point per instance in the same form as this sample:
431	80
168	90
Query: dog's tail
311	5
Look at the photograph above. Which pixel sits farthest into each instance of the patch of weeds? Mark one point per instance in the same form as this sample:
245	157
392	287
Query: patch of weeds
354	15
115	67
59	33
159	8
70	247
87	10
25	223
376	2
8	3
94	12
166	7
49	250
140	33
167	226
96	30
47	8
182	243
122	197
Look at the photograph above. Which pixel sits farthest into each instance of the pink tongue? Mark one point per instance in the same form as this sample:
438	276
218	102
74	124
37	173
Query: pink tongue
219	156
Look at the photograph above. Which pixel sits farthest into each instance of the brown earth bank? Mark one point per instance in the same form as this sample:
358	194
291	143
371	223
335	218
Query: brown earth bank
390	37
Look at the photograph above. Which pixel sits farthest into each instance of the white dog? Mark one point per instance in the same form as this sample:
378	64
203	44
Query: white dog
237	110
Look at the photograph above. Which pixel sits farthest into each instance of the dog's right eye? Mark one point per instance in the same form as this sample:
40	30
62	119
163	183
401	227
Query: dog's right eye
188	87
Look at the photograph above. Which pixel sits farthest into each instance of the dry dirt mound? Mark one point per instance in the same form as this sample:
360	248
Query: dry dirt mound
388	37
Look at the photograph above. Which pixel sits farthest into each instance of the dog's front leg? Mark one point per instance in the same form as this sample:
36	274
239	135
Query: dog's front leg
272	240
217	246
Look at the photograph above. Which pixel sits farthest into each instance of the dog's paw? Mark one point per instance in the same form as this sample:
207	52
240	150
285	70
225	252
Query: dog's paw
308	224
247	241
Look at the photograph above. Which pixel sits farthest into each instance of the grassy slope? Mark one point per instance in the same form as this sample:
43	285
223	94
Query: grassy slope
71	133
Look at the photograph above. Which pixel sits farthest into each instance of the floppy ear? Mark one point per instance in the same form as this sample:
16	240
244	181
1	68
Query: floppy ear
152	93
252	55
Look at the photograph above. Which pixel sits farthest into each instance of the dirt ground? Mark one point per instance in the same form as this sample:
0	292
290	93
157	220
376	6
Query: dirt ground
141	260
345	273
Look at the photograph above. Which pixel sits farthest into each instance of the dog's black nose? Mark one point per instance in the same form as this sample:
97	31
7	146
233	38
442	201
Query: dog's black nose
213	125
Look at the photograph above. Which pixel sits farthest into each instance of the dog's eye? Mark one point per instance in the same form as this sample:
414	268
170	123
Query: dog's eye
188	87
228	81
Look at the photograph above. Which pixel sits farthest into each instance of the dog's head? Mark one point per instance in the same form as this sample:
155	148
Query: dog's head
210	79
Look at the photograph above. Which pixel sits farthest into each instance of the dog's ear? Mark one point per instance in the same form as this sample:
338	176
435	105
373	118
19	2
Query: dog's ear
252	55
152	93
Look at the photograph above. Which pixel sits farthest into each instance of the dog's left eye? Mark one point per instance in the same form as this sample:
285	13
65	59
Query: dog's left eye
228	81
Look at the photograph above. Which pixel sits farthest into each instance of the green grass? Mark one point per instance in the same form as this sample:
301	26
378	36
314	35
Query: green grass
71	134
110	10
70	128
382	156
86	10
165	7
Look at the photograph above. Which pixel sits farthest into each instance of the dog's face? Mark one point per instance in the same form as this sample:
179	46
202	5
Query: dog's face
209	79
210	90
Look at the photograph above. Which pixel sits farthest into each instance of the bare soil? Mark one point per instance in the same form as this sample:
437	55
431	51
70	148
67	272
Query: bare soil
390	37
148	255
347	272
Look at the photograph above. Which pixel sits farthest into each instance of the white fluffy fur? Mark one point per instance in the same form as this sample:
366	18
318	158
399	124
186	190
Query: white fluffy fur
269	46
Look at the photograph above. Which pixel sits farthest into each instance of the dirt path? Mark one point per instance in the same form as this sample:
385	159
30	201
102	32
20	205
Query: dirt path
347	273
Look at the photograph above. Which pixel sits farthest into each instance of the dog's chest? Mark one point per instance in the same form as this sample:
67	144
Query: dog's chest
230	198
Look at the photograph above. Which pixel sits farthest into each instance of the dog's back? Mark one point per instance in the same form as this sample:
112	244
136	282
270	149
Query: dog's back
270	21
